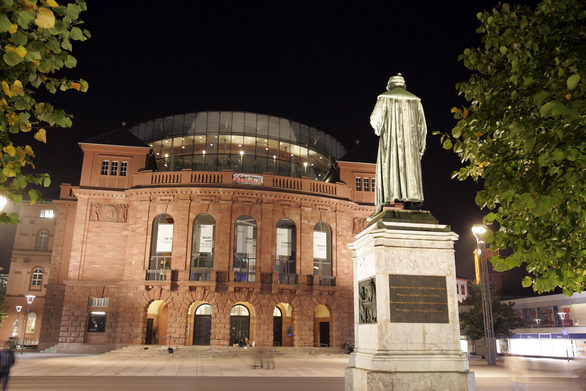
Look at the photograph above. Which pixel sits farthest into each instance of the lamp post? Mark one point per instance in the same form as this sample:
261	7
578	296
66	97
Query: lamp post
490	341
18	309
29	301
562	316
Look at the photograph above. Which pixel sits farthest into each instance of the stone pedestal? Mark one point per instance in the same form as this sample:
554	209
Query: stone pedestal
406	323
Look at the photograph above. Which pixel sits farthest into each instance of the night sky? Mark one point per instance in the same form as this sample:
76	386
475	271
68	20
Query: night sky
318	65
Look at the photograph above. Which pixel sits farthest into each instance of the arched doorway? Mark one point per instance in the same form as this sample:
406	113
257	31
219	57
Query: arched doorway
321	329
239	324
277	327
202	325
156	327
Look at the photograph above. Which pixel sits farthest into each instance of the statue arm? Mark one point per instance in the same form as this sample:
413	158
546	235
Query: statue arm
377	117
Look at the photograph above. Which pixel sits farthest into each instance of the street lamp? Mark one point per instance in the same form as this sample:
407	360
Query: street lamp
562	316
479	230
15	332
29	301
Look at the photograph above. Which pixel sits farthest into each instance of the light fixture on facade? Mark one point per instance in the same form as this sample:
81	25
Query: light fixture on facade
241	153
203	152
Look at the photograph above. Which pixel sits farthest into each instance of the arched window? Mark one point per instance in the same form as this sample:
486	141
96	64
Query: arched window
239	310
37	278
31	323
202	247
285	252
161	248
43	239
322	253
204	309
245	249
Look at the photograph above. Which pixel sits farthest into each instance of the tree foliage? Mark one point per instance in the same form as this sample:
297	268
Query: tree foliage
472	321
35	44
522	136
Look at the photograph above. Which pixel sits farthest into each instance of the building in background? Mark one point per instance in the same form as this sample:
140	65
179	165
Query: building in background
555	326
29	266
203	229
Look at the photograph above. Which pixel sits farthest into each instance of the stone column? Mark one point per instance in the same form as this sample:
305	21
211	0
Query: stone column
405	307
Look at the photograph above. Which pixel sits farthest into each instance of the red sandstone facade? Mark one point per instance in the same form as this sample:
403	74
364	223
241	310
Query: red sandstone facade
102	243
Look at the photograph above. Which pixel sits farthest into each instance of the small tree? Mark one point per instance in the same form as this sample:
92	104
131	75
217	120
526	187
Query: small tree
472	321
522	136
35	43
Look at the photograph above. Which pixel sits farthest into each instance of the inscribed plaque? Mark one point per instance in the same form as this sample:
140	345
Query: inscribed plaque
418	299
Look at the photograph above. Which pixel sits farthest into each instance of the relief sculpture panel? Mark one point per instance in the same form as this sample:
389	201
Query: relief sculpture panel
109	213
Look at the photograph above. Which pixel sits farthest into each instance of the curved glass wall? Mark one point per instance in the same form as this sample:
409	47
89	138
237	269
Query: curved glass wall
241	142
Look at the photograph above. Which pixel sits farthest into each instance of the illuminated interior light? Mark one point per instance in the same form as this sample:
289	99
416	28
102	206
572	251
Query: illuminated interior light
166	155
158	154
203	152
183	147
304	164
241	153
266	149
239	145
274	156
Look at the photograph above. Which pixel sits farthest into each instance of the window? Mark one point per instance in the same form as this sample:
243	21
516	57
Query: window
458	289
48	213
366	184
104	170
202	247
43	239
96	322
372	182
245	249
123	168
204	309
37	278
31	323
114	168
322	253
358	184
161	248
285	252
99	302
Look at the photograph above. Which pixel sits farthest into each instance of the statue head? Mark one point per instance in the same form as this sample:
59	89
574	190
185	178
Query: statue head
396	81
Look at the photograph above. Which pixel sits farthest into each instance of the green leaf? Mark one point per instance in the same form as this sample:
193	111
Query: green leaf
70	62
76	34
73	11
527	282
546	109
559	109
11	58
573	81
447	144
33	196
558	154
24	18
4	23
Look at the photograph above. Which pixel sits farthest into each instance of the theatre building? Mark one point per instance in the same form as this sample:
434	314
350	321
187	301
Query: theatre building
204	229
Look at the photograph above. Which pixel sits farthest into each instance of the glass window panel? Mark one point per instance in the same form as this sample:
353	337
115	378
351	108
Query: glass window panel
213	121
284	129
249	123
272	164
178	125
249	163
237	143
199	144
262	125
226	121
158	129
203	241
304	137
313	137
168	126
197	162
212	143
223	162
249	146
188	162
261	165
210	162
284	168
189	123
149	131
274	126
201	122
204	309
224	144
284	150
244	249
177	144
238	122
187	147
166	148
295	131
262	146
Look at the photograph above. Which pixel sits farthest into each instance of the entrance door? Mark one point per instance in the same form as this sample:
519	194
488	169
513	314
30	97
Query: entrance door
324	334
239	328
202	329
277	330
149	332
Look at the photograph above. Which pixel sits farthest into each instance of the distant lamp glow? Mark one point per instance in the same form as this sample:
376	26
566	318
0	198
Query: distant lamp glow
30	299
203	152
3	202
478	229
241	153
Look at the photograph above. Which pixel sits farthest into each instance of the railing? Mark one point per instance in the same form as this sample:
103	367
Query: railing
224	178
244	276
287	278
156	275
327	281
200	274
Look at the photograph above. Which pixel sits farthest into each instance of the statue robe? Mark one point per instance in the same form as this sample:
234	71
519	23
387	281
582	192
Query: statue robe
399	121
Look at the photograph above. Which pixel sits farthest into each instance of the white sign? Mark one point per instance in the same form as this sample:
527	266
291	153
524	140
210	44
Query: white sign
320	245
205	243
284	242
165	238
245	242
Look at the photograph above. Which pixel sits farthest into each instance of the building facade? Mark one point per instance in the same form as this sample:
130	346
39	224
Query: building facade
206	229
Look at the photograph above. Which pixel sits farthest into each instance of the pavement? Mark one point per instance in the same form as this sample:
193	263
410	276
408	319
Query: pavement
34	371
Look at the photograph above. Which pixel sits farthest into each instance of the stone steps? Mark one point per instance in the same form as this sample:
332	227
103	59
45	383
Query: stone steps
218	351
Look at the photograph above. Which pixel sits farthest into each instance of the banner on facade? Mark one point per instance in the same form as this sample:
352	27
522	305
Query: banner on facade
245	242
206	238
284	242
247	179
165	238
320	245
